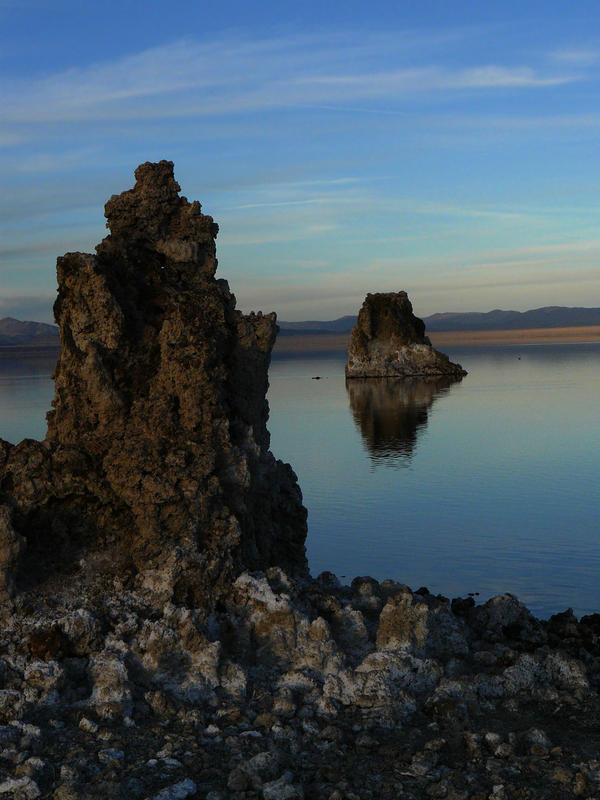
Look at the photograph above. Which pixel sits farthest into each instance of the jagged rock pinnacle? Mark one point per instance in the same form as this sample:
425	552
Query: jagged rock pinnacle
157	454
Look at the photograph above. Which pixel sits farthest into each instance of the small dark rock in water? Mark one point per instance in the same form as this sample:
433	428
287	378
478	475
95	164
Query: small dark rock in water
388	340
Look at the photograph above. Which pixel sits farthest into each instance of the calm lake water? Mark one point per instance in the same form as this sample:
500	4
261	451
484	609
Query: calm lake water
487	485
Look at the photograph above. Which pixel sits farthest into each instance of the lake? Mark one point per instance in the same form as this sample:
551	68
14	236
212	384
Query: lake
486	485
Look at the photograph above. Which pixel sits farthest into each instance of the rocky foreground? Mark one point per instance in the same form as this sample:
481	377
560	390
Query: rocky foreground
295	690
161	637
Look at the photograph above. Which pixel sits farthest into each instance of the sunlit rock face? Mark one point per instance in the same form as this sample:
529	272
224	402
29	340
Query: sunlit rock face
157	452
388	340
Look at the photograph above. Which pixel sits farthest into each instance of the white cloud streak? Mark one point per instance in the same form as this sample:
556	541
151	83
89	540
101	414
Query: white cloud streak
230	76
577	56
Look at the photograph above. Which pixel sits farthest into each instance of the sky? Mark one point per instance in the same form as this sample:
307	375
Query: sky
449	149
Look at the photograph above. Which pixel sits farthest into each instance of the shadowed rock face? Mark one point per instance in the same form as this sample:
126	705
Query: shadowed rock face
157	453
390	413
389	341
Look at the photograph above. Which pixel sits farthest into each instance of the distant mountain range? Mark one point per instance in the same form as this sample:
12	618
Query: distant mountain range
341	325
32	334
497	320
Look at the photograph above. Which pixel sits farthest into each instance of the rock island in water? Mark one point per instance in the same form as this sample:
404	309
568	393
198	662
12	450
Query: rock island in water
388	341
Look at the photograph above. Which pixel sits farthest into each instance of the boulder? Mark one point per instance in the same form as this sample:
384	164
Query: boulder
388	340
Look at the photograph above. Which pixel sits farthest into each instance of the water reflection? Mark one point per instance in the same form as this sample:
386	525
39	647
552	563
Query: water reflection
26	390
391	412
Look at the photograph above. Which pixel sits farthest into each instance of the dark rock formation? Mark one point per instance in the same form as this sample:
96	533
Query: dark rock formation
389	341
157	454
390	413
11	545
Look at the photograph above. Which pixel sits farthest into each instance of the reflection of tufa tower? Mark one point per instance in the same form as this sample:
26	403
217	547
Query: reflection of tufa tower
390	412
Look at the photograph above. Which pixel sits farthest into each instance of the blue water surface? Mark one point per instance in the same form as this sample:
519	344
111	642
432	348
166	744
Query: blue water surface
495	490
487	485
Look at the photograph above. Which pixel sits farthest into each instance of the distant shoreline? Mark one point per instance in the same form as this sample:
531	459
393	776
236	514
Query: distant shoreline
323	342
30	351
330	342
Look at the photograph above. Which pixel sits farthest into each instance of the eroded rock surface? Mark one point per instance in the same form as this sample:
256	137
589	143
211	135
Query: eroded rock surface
157	453
388	340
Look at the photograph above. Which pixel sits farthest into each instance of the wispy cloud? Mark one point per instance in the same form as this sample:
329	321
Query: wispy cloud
233	75
520	277
310	201
458	211
577	56
435	78
49	162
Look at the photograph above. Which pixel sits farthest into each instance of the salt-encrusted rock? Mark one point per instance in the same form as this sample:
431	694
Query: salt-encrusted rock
111	693
282	789
420	624
277	631
43	679
82	630
370	680
182	661
11	704
265	764
533	673
388	340
178	791
156	460
23	788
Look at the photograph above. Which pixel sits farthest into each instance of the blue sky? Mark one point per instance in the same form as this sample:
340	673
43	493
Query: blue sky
446	148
